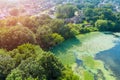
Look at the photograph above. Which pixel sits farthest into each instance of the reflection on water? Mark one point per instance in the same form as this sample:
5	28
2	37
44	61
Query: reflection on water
111	57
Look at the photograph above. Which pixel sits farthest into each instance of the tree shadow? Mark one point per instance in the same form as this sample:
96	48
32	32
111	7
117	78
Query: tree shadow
65	46
112	33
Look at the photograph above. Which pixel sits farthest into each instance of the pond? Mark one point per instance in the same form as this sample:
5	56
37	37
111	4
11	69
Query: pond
93	56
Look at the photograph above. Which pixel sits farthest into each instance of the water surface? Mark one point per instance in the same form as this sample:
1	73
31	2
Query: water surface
93	52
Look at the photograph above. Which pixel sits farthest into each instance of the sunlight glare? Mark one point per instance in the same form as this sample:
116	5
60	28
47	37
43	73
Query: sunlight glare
13	1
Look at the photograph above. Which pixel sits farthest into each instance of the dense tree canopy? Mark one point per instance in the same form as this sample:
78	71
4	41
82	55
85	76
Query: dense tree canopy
11	37
34	63
66	11
105	25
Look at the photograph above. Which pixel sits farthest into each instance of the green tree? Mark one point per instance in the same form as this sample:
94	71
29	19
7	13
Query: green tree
32	68
42	36
28	22
46	38
6	65
15	74
69	30
57	25
42	20
105	25
66	11
55	39
102	25
22	53
53	68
